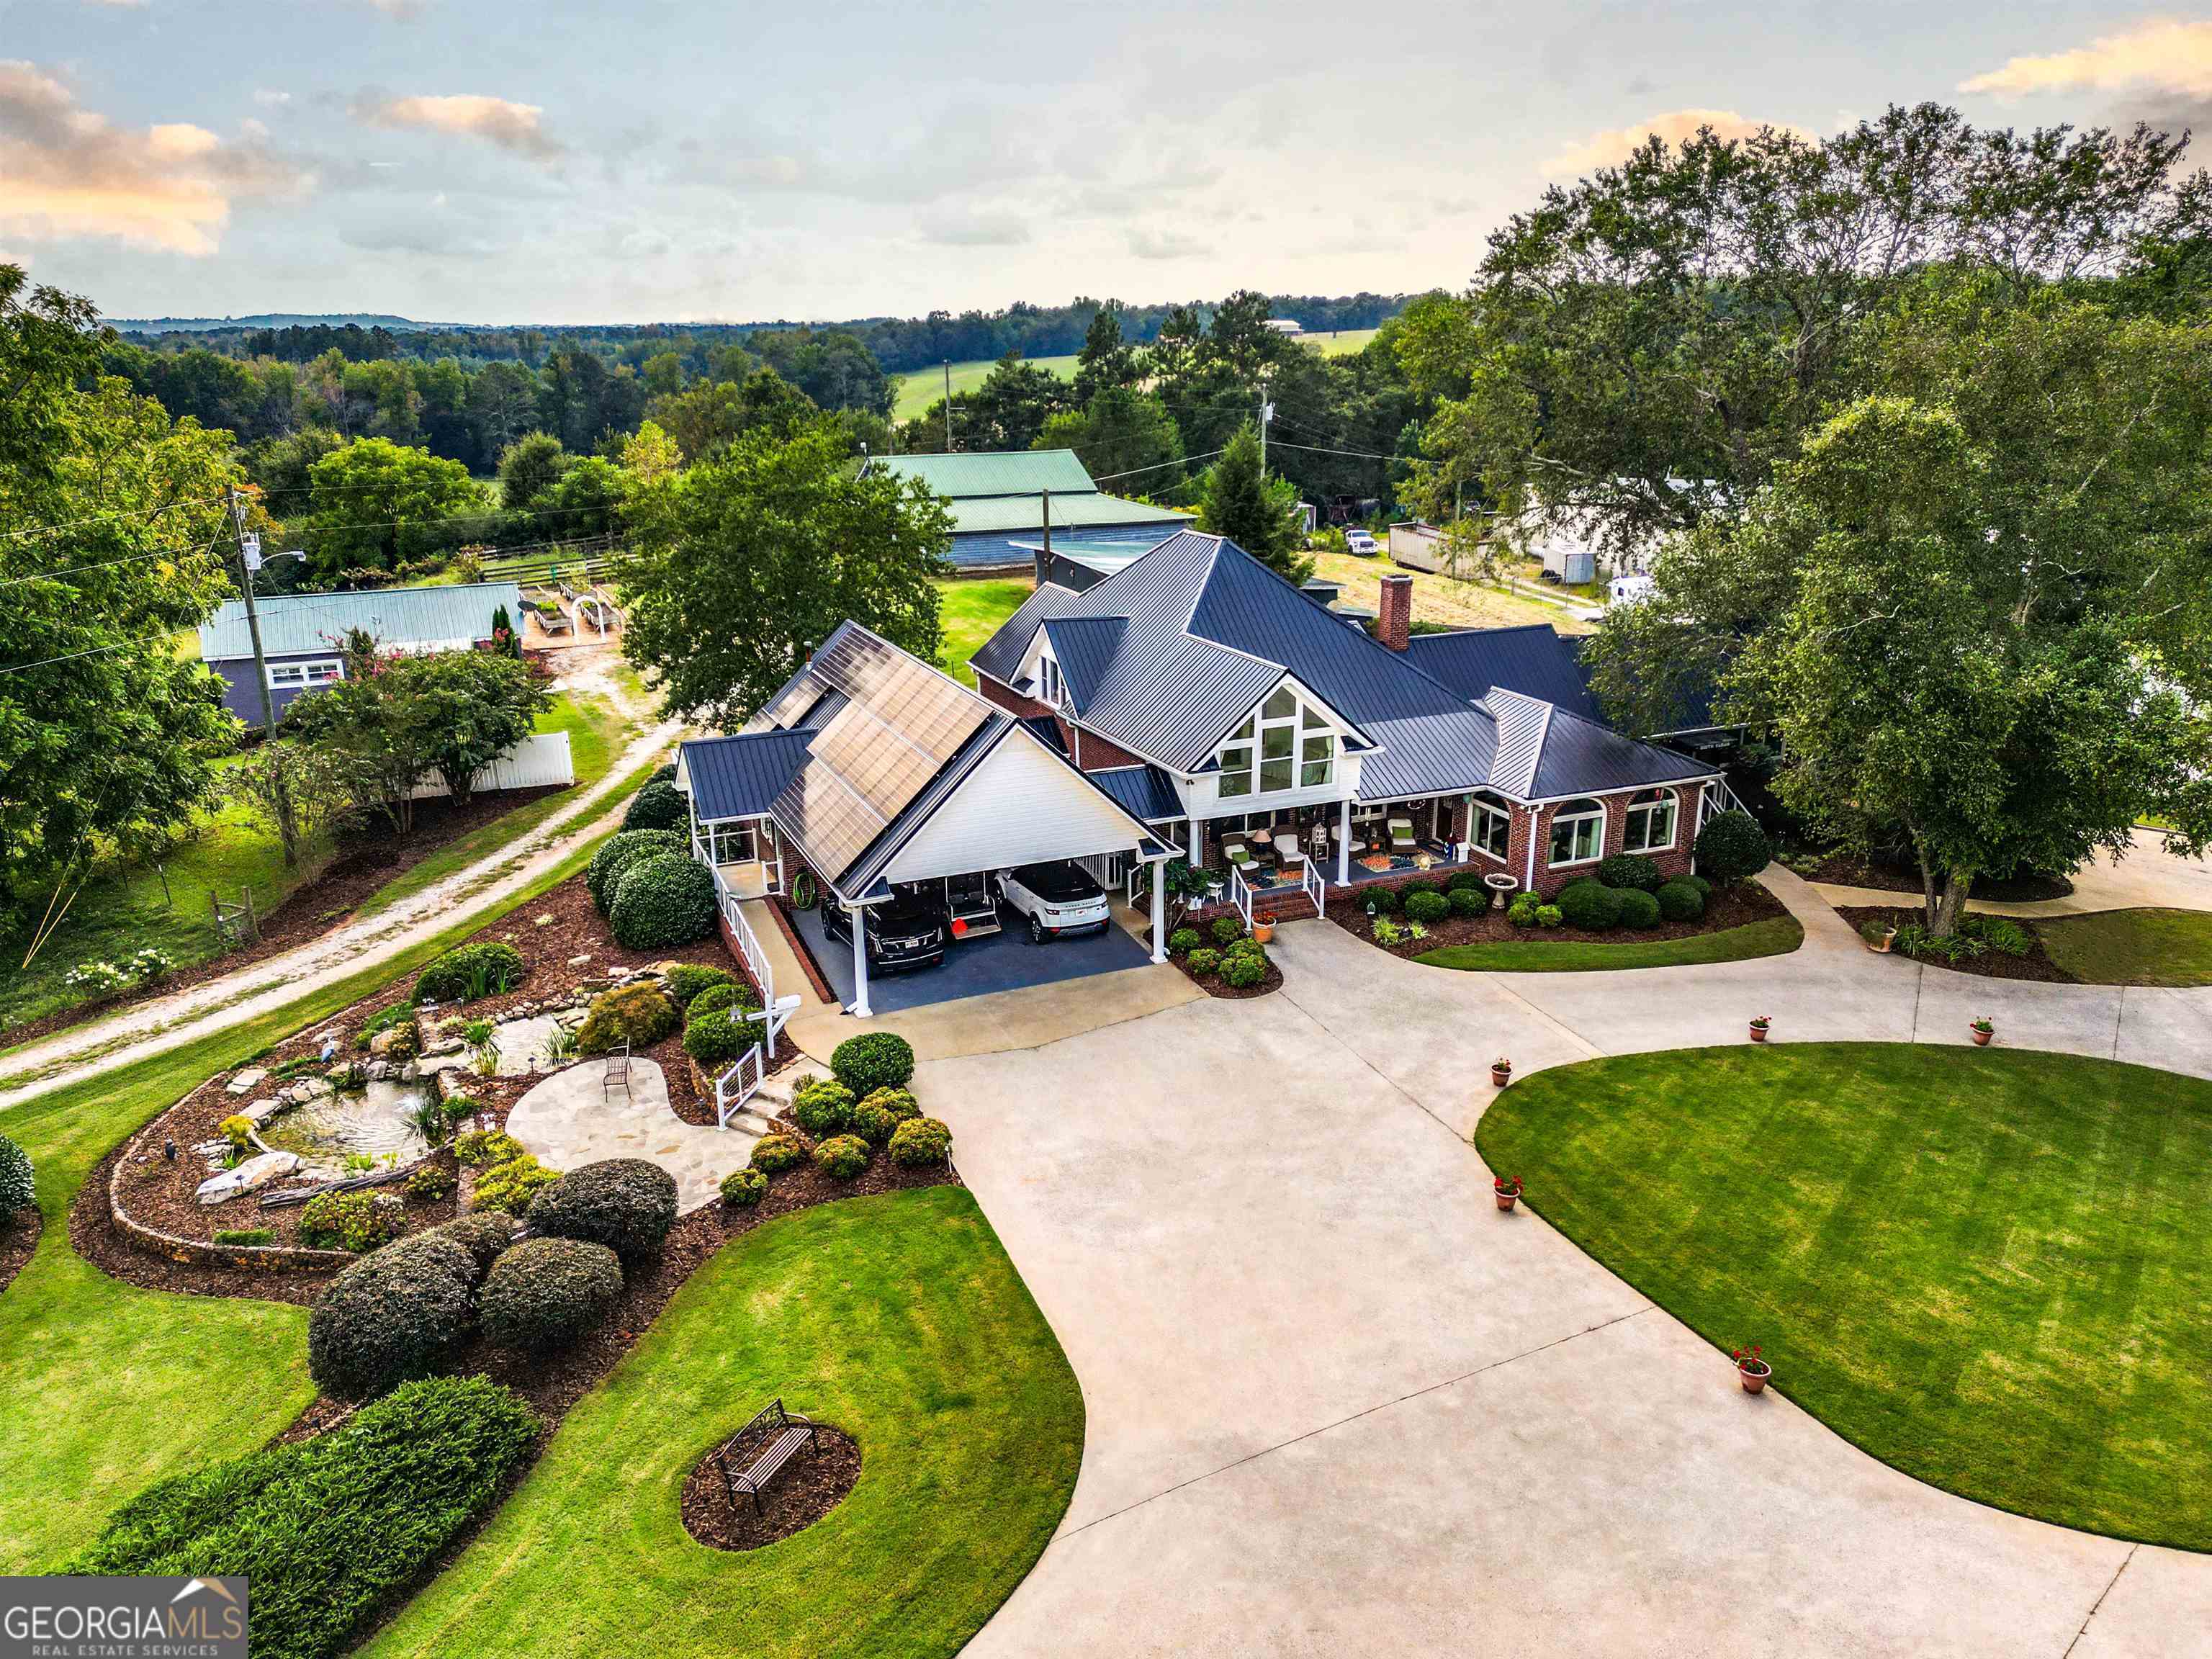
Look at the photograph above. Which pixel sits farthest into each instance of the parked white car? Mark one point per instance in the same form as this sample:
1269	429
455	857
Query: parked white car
1359	542
1058	899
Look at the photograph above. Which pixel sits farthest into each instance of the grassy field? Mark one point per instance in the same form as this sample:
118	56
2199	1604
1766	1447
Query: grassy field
1442	599
919	389
897	1319
1984	1267
1770	938
1342	343
971	612
2132	947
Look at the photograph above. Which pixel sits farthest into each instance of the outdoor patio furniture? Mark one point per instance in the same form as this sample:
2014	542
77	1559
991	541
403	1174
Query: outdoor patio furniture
1236	853
1289	859
1401	835
786	1433
616	1074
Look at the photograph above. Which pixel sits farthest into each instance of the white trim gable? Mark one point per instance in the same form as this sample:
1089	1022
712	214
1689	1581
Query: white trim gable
1021	805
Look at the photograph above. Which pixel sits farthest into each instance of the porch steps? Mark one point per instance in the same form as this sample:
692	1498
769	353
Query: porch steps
1283	904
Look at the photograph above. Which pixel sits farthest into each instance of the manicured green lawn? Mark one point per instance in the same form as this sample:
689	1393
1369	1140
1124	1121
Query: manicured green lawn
1985	1267
899	1320
2132	947
919	388
1536	955
971	612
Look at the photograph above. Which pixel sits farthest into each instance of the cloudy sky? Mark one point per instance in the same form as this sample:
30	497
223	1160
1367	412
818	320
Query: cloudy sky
485	161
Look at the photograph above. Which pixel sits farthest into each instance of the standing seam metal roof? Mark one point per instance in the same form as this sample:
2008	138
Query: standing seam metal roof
297	624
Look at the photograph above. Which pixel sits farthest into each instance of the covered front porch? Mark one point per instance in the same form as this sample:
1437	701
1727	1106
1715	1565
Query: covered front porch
1342	843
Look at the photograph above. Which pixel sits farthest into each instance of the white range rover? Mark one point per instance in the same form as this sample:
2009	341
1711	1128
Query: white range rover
1058	899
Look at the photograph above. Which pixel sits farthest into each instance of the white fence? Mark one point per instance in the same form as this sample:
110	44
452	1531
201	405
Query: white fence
539	760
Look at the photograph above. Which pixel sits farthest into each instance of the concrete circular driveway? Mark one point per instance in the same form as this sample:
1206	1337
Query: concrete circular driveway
1338	1404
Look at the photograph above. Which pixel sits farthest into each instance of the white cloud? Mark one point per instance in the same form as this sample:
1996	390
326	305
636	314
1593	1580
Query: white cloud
71	173
1168	245
1615	144
2162	54
269	98
118	5
511	126
976	229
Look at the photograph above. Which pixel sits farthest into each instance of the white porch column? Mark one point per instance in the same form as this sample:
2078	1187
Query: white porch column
859	962
1344	843
1197	859
1160	911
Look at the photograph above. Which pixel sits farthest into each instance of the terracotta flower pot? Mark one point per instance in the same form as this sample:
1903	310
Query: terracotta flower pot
1752	1374
1500	1076
1880	947
1982	1039
1264	931
1758	1034
1507	1201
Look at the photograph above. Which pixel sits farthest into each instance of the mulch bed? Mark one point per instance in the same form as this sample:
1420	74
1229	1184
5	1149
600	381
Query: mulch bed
19	1237
1854	870
316	907
813	1483
1733	906
1991	964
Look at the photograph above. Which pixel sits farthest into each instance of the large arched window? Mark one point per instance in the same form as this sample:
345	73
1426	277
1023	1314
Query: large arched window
1489	822
1577	833
1649	826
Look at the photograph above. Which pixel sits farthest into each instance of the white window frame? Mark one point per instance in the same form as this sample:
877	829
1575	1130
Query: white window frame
1641	806
1483	806
1049	681
306	676
1242	760
1585	810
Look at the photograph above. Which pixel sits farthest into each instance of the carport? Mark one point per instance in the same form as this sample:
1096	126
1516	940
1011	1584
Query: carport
869	770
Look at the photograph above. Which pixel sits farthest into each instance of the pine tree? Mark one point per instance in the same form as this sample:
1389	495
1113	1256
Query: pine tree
1260	513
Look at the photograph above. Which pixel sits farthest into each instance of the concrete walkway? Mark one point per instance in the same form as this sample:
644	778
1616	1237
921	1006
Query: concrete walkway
571	1120
2148	878
1337	1403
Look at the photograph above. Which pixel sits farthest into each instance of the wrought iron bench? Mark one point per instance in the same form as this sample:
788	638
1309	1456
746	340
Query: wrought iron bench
785	1431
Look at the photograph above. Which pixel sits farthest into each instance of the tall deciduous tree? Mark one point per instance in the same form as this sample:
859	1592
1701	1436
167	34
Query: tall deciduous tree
529	470
740	565
378	505
1122	435
1258	513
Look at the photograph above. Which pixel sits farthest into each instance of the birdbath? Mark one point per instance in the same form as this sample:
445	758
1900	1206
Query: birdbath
1502	887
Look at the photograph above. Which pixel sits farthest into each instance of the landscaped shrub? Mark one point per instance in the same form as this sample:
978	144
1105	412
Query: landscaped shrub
613	860
389	1317
1521	913
881	1060
1733	847
544	1293
720	999
743	1188
1467	881
1383	902
484	1235
1638	908
1182	941
920	1142
715	1039
1704	888
822	1106
238	1130
357	1221
687	979
1203	961
1589	905
383	1019
843	1157
429	1181
480	1148
1681	901
1427	906
1242	970
624	1203
329	1530
773	1154
511	1184
660	775
2000	933
882	1112
639	1014
244	1235
1630	870
1385	932
1549	915
659	806
485	968
662	901
1469	900
1227	930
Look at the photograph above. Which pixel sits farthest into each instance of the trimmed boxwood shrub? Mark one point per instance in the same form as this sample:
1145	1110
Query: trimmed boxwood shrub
1427	905
357	1221
484	1235
1549	915
882	1112
687	979
329	1530
659	806
510	1184
662	901
1589	906
743	1188
544	1293
1733	847
1182	941
642	1014
482	969
714	1038
720	999
1704	888
1204	960
1383	902
1630	870
843	1157
613	860
1243	968
1469	900
391	1315
1227	930
773	1154
1638	908
1681	901
1467	881
624	1203
1521	913
920	1142
881	1060
17	1188
822	1106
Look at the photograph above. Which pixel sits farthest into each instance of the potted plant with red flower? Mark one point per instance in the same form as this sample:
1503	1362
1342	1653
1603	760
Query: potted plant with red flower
1501	1072
1752	1370
1508	1188
1760	1027
1983	1029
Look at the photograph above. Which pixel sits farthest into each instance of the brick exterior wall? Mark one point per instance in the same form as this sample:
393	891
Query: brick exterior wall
1671	863
1095	753
1008	699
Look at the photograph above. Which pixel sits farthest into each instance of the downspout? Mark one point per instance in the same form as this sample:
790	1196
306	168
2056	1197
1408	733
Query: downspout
1535	814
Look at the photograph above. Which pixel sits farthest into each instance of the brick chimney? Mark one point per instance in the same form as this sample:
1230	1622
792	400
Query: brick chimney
1394	623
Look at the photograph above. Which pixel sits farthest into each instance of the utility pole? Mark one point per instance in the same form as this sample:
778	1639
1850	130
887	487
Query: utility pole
948	405
1266	414
249	561
1047	495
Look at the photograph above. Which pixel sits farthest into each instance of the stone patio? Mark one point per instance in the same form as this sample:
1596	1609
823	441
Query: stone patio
571	1120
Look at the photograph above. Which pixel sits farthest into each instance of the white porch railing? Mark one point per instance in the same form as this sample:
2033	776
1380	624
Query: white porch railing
1316	888
1240	894
748	945
1718	799
737	1086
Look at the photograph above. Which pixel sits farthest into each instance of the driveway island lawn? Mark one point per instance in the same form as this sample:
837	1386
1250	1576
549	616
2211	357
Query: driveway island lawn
1986	1267
1536	955
2132	947
897	1319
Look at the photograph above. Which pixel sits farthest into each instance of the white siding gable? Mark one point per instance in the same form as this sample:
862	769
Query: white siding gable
1022	805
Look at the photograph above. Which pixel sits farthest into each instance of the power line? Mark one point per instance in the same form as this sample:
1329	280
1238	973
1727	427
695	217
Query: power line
25	668
119	513
1159	466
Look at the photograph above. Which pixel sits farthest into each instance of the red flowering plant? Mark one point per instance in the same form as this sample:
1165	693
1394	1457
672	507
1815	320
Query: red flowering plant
1507	1186
1760	1022
1750	1362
